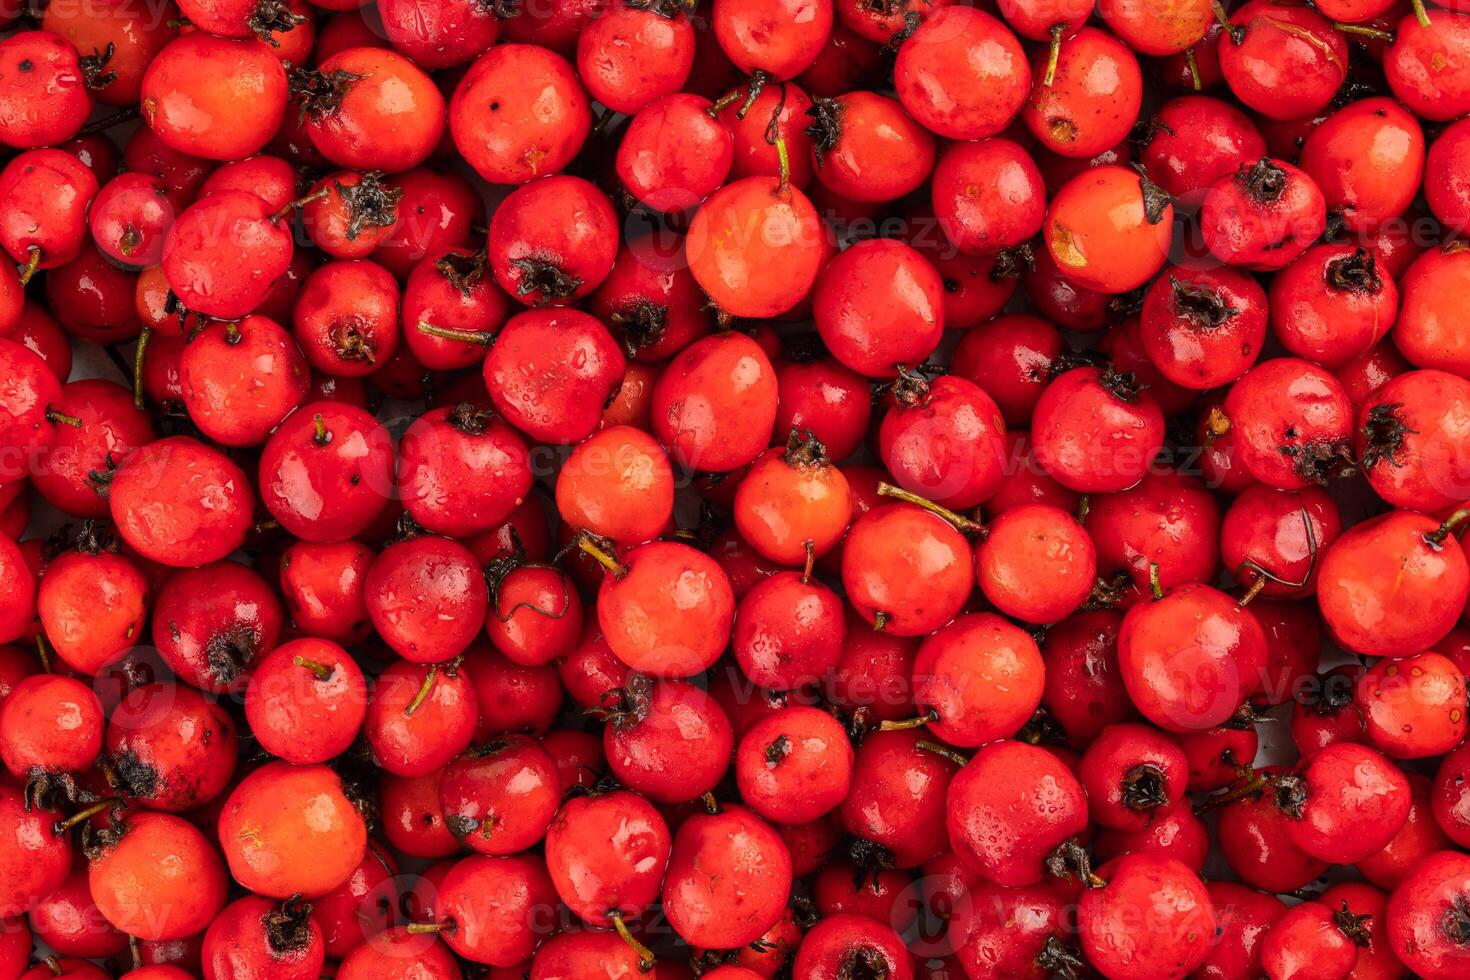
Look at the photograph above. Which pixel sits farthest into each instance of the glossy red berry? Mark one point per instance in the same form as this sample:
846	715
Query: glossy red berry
601	882
667	740
419	718
1084	692
905	570
553	241
212	623
962	74
714	406
1025	790
1087	96
794	766
322	585
1262	216
159	879
1179	914
46	226
632	55
1414	707
1379	130
1393	586
461	471
1191	658
129	218
730	911
191	93
257	938
756	246
46	95
437	36
306	701
1425	914
224	252
1134	775
497	116
499	798
1412	452
1203	328
851	943
427	598
1036	563
674	176
51	727
1094	430
504	930
777	38
1109	229
158	501
371	109
1292	423
788	632
326	472
975	652
112	426
240	380
170	747
290	830
346	318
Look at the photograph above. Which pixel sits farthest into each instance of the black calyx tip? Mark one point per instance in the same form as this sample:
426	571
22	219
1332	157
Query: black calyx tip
1290	793
1456	922
1122	385
272	17
804	449
1200	305
863	962
779	749
1355	273
1058	959
1263	180
135	777
1143	788
1321	460
628	705
1013	263
370	203
868	859
641	324
288	927
95	73
1358	928
826	126
318	94
546	278
1383	434
231	653
1156	200
470	419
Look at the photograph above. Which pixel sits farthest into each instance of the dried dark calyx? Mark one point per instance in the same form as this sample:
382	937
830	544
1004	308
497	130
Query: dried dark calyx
272	17
826	127
318	94
641	324
546	278
1383	433
1263	180
370	204
1201	306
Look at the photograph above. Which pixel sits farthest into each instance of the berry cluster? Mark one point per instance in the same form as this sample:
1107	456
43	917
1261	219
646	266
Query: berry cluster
760	490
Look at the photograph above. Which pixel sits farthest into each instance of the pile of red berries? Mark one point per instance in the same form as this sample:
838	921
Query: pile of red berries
760	490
